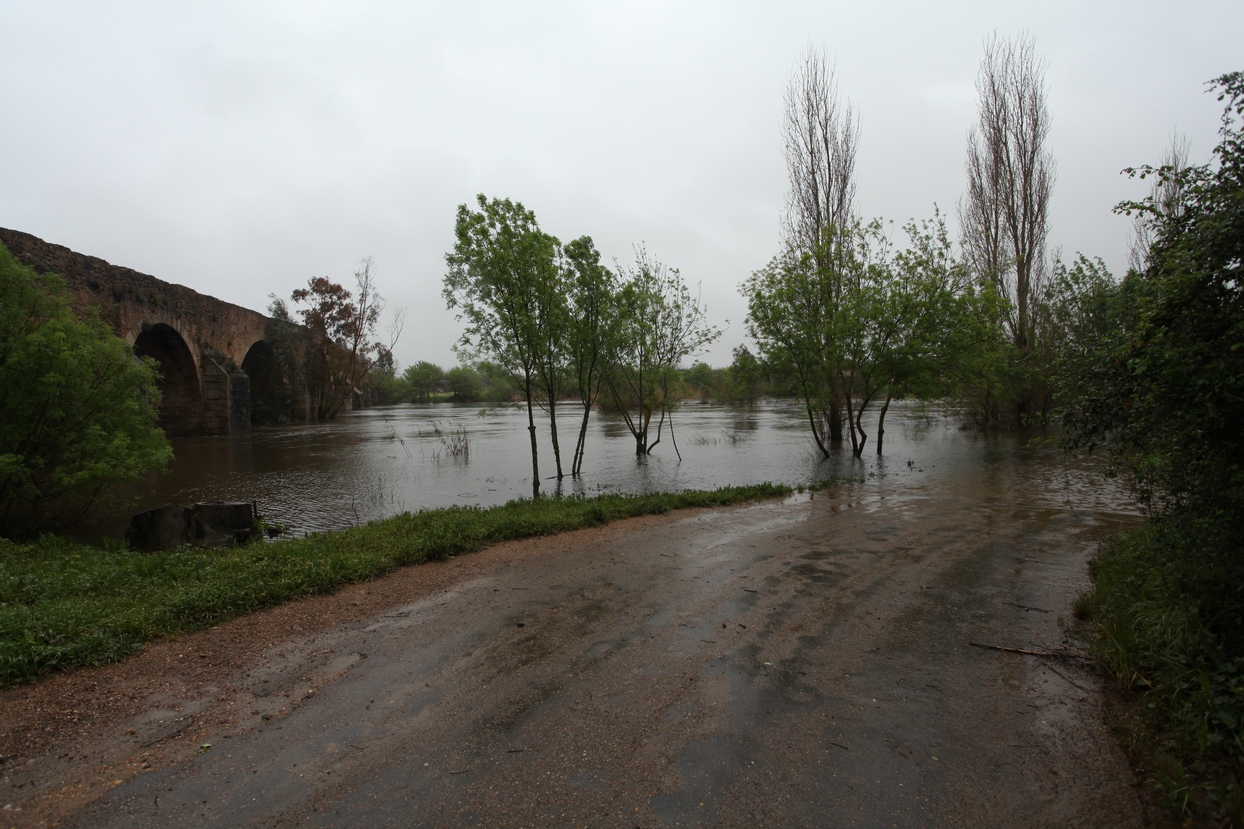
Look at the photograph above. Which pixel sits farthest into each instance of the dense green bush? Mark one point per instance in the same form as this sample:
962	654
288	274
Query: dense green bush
1158	387
77	409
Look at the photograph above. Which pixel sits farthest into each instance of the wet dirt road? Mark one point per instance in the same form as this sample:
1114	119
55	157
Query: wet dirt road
805	663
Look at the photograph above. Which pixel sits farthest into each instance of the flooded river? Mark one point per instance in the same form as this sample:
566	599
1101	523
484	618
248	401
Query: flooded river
386	460
826	661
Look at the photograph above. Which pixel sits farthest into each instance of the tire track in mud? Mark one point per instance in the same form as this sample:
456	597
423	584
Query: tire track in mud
783	664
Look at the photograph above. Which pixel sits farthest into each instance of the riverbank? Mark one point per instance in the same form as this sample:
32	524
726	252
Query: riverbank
67	605
793	662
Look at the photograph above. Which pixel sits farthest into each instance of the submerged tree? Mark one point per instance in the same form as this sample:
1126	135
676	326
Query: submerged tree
659	325
502	279
744	378
549	295
899	324
1005	215
591	328
787	319
820	134
343	327
289	383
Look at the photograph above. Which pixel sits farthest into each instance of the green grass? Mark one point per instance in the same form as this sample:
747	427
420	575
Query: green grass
65	605
1162	634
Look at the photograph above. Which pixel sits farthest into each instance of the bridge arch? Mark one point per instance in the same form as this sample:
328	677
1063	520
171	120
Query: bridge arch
269	389
181	407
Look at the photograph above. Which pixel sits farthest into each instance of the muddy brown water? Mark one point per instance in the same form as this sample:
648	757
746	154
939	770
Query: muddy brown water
811	662
378	462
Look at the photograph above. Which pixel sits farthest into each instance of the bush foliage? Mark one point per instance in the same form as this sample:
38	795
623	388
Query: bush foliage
1161	392
77	409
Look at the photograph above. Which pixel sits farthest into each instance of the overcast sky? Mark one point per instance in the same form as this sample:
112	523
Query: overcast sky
242	148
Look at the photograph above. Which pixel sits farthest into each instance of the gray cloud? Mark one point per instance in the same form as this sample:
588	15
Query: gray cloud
240	148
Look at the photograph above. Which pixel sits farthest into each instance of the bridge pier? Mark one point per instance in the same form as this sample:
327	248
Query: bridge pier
226	399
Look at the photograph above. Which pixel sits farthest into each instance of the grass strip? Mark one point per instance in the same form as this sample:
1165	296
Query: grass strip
1181	674
65	605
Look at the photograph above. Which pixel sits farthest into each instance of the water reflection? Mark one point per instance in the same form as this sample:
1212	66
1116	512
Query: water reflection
383	461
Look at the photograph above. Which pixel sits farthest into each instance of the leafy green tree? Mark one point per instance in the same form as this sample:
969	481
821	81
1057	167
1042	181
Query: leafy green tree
793	305
1164	396
465	383
744	378
423	380
1083	313
1154	379
869	327
551	293
386	387
946	335
704	379
77	409
497	383
872	324
591	327
786	316
294	355
501	279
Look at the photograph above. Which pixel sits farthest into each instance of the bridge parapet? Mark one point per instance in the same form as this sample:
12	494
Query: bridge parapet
199	341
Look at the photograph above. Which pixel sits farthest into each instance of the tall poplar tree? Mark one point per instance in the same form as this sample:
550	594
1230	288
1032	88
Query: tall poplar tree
821	133
1005	215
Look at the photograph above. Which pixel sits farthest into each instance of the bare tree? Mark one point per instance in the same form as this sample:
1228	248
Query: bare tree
1167	195
1005	219
820	134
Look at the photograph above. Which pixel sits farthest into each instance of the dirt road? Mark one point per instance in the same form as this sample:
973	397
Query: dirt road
806	663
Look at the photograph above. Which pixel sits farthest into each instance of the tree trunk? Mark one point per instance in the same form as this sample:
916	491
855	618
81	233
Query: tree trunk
576	467
881	423
857	432
531	427
641	434
835	418
557	451
673	440
660	423
816	432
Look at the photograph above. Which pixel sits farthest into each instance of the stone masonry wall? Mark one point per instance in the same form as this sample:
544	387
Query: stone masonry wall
126	299
131	302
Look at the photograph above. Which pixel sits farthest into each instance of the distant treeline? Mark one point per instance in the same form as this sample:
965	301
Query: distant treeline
425	382
745	381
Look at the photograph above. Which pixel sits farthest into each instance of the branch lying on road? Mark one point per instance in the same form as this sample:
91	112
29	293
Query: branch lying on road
1069	653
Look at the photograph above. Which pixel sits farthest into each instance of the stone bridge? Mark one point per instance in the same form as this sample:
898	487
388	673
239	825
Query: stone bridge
217	361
